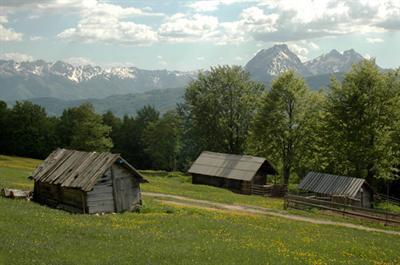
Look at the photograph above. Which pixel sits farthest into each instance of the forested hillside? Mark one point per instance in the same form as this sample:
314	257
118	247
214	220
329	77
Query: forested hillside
162	100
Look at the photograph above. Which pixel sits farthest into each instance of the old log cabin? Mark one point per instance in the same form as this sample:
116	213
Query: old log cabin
87	182
239	173
340	189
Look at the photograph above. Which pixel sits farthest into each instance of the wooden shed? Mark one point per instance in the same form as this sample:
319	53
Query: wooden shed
339	189
87	182
238	173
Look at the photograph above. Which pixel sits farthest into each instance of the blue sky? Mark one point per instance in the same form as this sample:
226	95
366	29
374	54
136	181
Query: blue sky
188	35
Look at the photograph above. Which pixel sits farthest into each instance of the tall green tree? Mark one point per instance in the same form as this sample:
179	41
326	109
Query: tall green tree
312	151
81	128
217	110
115	123
130	137
279	128
3	127
162	141
30	132
362	121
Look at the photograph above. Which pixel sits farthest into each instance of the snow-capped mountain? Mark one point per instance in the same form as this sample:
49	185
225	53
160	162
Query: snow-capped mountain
23	80
274	61
333	62
36	79
267	64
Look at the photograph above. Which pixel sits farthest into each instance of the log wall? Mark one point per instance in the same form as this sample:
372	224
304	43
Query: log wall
60	197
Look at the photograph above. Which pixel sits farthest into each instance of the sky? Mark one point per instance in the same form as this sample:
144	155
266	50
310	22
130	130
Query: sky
189	35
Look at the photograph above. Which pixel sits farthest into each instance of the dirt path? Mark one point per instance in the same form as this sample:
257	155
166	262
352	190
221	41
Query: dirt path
204	204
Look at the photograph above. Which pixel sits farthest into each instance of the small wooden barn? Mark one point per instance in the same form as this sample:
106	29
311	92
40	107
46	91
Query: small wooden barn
238	173
87	182
339	189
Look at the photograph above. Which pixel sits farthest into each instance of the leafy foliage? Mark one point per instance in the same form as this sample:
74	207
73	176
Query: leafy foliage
362	122
162	141
280	127
82	129
26	130
218	108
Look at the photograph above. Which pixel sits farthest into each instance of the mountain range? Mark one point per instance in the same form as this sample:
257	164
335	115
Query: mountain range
26	80
58	85
269	63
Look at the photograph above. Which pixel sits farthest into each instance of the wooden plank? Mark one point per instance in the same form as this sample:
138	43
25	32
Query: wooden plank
115	194
102	196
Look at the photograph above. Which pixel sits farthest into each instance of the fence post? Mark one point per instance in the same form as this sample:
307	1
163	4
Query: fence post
285	202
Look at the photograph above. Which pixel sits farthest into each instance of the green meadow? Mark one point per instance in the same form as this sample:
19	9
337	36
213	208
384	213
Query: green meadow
160	234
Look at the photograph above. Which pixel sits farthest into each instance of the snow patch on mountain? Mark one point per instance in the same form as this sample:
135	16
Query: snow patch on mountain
333	62
275	61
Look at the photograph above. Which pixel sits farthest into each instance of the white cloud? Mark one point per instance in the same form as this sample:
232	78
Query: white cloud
188	28
252	21
374	40
45	7
200	58
262	21
8	34
3	20
109	29
99	20
79	61
239	58
311	44
18	57
213	5
288	20
299	50
107	23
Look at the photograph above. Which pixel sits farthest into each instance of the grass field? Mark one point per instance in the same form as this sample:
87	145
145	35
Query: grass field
160	234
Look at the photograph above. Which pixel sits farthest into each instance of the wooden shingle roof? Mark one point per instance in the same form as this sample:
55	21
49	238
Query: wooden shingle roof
331	184
240	167
77	169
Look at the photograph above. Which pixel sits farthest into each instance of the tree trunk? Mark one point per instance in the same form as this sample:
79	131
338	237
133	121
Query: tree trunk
286	174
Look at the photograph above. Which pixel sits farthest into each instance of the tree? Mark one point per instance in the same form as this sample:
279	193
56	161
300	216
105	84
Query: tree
81	128
162	141
129	140
362	120
312	152
4	112
217	110
279	128
30	132
115	124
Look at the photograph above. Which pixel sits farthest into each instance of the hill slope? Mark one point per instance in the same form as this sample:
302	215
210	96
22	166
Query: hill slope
162	100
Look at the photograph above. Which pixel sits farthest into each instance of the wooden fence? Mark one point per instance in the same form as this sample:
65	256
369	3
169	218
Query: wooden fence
271	190
301	202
